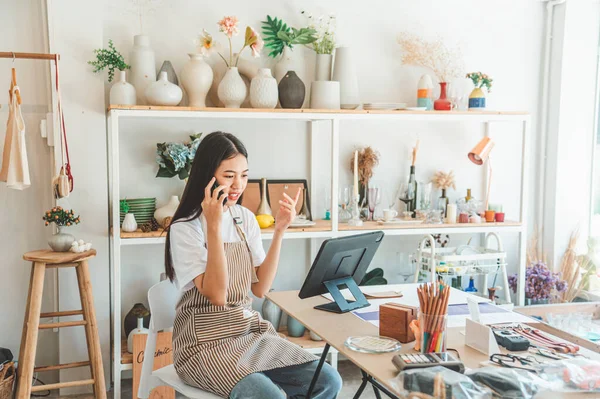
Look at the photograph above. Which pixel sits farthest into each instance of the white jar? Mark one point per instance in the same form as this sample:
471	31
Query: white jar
232	89
166	211
121	92
163	92
129	224
263	90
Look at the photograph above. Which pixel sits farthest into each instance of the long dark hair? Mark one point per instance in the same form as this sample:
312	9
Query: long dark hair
213	149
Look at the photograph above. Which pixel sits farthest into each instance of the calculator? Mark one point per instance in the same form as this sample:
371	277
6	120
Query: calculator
407	361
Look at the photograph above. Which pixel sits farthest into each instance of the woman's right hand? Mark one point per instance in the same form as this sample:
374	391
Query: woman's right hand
212	206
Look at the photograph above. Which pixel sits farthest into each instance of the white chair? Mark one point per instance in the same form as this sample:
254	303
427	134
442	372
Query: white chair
162	299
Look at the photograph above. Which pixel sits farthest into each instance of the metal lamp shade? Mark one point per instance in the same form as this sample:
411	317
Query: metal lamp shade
481	152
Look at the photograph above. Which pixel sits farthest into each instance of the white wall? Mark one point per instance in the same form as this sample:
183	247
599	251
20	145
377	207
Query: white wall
21	217
279	150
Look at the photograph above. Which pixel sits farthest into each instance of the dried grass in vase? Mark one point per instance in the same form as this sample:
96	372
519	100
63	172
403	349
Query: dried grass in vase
575	270
534	250
444	62
368	159
443	180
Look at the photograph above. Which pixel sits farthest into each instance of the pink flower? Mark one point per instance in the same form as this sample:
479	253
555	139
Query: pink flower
228	25
254	41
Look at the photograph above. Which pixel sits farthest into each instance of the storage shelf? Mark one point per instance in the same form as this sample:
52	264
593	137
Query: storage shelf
323	229
312	114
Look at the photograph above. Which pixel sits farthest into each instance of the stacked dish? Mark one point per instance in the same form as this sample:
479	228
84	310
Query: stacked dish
142	208
383	106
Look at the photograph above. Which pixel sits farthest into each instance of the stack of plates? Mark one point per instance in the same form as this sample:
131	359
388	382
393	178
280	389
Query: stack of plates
142	208
384	106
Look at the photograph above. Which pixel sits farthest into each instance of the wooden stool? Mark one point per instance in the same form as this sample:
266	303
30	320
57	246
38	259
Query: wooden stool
42	260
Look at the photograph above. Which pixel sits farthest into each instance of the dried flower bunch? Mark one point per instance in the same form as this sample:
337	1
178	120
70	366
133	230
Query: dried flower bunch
539	282
60	217
443	180
324	26
368	159
576	270
481	80
229	26
444	62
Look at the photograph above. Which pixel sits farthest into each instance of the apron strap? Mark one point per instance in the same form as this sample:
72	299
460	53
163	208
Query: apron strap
243	237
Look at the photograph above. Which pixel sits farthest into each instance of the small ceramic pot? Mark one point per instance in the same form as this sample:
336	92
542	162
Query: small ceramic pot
295	329
61	242
490	216
499	217
463	218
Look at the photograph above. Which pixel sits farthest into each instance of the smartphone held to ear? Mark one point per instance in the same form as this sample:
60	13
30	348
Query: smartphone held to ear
214	187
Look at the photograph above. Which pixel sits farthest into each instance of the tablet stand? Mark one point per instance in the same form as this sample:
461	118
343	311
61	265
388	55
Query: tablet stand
340	304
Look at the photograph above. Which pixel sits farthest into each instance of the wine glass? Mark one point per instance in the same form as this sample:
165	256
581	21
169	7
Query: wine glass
405	194
344	200
373	196
424	192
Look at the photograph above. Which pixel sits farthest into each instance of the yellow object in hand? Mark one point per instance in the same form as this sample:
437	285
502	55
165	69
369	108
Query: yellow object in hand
265	221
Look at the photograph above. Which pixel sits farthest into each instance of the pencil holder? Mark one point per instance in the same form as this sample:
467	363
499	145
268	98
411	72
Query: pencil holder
433	332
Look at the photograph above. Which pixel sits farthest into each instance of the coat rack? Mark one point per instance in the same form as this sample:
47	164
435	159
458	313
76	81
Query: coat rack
30	56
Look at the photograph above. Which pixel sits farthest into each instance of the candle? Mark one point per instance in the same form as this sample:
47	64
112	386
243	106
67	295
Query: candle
451	213
355	174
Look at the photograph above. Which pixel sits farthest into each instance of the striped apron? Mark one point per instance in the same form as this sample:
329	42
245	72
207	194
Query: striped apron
214	347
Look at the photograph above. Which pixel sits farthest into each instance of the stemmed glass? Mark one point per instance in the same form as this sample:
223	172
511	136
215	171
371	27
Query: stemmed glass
344	200
405	194
374	198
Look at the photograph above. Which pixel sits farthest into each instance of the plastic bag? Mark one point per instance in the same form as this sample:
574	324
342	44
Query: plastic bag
573	375
438	382
507	382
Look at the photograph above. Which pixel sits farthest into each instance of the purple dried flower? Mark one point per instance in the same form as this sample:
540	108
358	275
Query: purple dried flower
539	282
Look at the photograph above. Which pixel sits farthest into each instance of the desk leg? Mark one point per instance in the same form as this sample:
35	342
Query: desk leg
361	388
365	379
317	371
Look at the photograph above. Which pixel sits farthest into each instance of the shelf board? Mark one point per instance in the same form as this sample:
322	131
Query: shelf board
323	229
126	357
420	228
304	341
306	113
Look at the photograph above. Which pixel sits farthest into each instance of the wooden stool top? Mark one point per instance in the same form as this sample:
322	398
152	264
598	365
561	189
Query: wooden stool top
54	258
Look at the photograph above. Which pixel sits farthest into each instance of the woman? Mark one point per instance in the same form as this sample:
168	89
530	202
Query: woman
214	255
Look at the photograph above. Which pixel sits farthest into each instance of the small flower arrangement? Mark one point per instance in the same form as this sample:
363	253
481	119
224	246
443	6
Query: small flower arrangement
443	180
279	35
60	217
324	26
110	59
175	159
481	80
539	282
229	26
124	207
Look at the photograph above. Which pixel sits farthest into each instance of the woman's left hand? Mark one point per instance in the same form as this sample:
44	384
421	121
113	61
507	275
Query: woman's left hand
287	211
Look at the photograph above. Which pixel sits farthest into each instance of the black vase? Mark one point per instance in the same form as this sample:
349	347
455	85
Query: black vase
291	91
130	322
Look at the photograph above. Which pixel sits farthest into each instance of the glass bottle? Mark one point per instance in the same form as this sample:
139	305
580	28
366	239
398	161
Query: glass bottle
468	197
443	202
471	287
263	207
412	192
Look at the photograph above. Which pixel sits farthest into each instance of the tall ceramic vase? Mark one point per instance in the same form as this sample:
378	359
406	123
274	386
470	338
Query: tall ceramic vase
442	103
345	73
143	68
271	312
232	89
263	90
323	67
263	206
122	92
196	79
61	241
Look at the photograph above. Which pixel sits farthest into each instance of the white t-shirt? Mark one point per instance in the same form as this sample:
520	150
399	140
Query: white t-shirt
189	253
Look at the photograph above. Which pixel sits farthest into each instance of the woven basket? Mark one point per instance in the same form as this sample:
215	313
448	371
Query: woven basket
7	379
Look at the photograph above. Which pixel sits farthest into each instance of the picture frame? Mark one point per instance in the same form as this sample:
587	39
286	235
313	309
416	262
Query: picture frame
276	188
252	195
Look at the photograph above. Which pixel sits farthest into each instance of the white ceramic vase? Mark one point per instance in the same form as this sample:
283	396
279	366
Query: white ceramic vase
121	92
129	224
196	78
325	95
163	92
232	89
143	67
166	211
345	73
263	90
323	67
140	330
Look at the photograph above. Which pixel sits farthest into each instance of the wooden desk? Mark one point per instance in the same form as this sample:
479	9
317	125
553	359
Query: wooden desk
335	328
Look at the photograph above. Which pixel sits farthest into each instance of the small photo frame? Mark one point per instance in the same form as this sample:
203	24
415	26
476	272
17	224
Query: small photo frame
252	194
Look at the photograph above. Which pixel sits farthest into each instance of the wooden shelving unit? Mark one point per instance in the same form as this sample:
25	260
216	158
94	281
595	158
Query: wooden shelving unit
121	116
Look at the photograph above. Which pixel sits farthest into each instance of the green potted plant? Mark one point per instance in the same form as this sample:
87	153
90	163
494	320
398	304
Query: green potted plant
281	39
60	242
121	92
477	96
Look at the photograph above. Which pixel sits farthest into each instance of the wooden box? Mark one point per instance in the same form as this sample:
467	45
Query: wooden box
394	320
